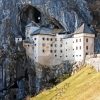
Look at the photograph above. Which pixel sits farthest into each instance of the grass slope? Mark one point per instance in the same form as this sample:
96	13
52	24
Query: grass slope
85	85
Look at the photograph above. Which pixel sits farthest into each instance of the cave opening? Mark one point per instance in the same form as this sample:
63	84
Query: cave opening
29	14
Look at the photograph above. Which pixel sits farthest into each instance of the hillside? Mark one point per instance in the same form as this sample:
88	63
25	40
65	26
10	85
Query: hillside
85	85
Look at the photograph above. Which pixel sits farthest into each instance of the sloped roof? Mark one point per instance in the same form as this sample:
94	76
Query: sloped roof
42	30
68	36
83	29
33	29
18	36
32	24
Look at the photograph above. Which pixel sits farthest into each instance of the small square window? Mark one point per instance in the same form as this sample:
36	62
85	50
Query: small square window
55	55
43	38
51	51
87	40
55	39
86	53
51	45
47	39
34	38
80	47
60	45
76	48
51	39
43	44
55	45
55	51
61	51
43	51
61	39
86	47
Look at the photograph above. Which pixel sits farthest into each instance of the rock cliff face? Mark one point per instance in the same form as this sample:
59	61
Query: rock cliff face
15	15
94	6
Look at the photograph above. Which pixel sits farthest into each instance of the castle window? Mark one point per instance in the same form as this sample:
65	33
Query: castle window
86	47
80	47
55	39
66	42
51	51
80	40
61	39
55	45
43	38
43	44
60	56
73	55
61	51
87	40
28	45
66	49
47	39
86	53
51	39
66	55
55	55
51	45
60	45
55	51
43	51
34	38
76	40
35	44
76	48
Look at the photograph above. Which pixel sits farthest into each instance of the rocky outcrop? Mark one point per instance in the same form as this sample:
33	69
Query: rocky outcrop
94	6
45	74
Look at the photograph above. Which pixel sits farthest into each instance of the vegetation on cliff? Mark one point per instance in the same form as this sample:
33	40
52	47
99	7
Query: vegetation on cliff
78	87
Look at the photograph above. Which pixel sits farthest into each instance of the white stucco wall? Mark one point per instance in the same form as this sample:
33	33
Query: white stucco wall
47	57
72	49
30	30
18	39
68	49
75	47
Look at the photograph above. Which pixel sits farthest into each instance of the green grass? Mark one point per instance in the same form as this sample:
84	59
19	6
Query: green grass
84	85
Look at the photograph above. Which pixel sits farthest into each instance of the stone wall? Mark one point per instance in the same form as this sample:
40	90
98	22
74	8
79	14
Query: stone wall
94	60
